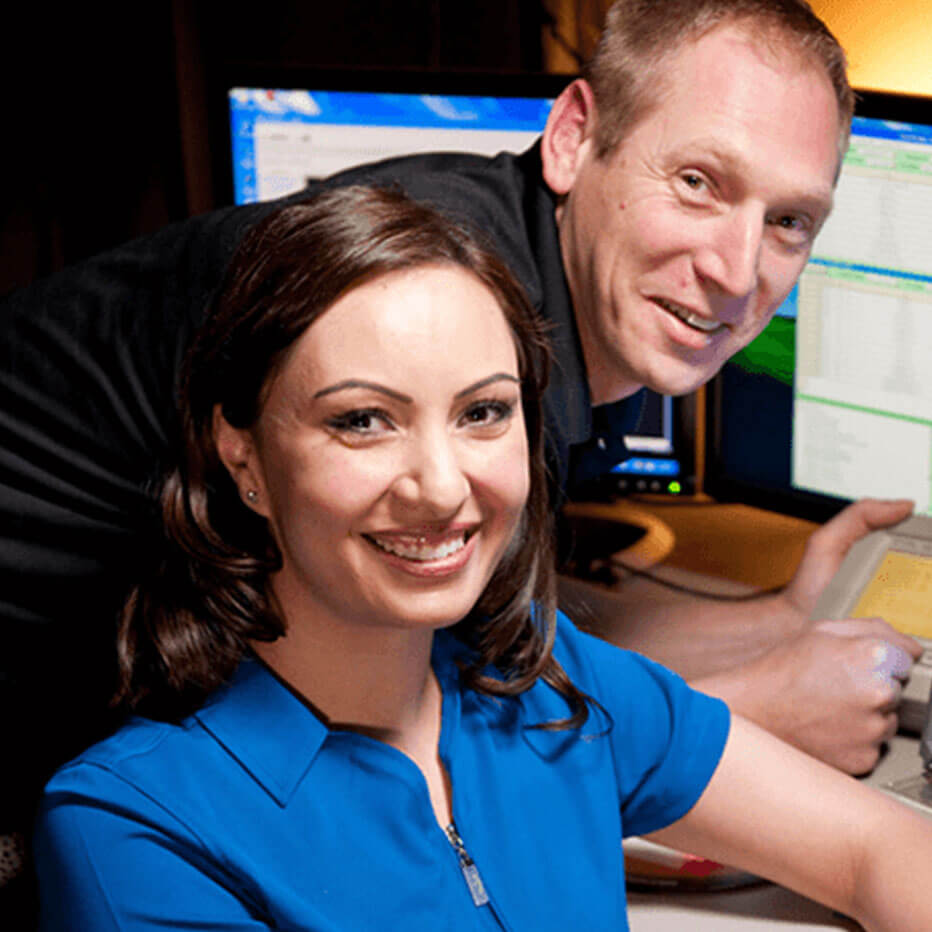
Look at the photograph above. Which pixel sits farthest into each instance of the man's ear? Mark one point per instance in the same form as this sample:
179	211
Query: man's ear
237	451
568	136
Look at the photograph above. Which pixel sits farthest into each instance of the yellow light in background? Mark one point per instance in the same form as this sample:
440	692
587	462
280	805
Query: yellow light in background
888	42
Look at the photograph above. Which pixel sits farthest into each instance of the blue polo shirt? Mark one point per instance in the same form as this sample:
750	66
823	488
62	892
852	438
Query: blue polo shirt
252	814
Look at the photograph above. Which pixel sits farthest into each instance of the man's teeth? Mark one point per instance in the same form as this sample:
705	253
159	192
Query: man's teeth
693	320
417	548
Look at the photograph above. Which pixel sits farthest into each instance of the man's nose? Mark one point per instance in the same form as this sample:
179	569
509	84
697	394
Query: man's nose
730	258
433	479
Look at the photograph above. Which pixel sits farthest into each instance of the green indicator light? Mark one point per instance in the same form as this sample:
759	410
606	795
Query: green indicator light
674	487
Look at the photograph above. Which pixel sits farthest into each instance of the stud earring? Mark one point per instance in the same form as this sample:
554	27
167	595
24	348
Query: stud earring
252	496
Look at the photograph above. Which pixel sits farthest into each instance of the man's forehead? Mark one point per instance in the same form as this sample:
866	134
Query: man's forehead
773	44
775	48
710	75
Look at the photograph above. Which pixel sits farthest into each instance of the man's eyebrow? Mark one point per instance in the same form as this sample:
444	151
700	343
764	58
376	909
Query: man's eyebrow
362	383
497	377
820	197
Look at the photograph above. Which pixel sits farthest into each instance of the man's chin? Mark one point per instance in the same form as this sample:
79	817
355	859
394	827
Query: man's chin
681	383
663	374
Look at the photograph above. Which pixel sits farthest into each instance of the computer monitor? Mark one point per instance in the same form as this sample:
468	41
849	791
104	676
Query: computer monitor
287	128
833	401
284	136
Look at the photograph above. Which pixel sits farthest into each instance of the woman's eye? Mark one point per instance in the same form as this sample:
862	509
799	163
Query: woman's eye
484	413
363	422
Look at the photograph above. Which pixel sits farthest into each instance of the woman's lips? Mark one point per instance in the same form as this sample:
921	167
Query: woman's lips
421	547
427	553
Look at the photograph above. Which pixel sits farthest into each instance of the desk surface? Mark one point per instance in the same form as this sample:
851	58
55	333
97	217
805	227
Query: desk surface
767	908
709	545
727	541
763	908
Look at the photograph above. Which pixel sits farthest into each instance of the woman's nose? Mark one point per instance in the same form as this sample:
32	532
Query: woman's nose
434	479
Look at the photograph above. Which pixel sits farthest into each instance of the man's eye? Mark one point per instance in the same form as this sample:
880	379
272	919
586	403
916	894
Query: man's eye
363	422
694	186
484	413
793	228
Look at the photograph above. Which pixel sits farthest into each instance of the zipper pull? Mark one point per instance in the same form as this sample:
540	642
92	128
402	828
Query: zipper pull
468	867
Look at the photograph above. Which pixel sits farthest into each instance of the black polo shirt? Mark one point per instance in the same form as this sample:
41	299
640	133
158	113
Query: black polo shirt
506	200
88	369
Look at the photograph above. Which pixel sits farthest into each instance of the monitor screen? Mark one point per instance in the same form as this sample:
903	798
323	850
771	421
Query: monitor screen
833	401
284	138
286	130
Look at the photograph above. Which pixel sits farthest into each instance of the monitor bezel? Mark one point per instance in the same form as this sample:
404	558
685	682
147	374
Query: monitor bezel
886	105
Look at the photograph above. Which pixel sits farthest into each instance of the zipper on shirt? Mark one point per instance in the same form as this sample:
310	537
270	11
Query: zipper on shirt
470	872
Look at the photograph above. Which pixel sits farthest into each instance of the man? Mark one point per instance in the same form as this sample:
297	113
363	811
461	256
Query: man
695	166
656	232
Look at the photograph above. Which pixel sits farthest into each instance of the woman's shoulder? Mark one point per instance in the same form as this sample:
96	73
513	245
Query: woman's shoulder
129	750
629	685
585	656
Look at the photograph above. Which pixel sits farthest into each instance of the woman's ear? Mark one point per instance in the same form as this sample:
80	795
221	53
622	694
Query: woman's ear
568	136
237	451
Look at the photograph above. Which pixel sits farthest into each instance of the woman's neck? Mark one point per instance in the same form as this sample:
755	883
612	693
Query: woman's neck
377	682
367	679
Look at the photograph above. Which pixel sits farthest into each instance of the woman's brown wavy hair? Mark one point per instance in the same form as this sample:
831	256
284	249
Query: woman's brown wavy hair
191	618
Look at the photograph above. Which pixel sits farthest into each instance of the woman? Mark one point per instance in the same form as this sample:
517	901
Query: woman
356	708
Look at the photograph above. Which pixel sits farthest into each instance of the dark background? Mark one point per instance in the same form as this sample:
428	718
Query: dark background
106	108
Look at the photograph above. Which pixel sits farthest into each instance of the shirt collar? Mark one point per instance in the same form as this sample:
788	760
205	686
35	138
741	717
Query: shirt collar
266	727
276	736
567	401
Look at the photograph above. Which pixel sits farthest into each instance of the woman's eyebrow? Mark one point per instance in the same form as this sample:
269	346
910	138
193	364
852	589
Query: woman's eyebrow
499	376
362	383
406	399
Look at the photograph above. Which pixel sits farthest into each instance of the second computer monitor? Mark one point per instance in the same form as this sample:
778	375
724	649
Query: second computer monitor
833	401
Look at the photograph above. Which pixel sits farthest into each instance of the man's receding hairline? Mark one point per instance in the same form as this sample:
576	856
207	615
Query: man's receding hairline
774	42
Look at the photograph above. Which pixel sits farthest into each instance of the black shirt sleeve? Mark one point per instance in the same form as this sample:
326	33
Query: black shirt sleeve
88	372
88	363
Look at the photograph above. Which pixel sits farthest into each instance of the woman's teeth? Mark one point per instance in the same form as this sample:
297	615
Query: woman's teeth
418	548
690	319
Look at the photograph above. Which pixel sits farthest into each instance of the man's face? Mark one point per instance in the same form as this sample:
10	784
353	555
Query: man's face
681	243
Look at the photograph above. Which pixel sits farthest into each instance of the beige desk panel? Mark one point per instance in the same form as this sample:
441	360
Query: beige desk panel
767	908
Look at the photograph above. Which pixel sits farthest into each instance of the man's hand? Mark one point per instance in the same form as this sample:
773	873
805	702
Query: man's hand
828	546
829	687
832	691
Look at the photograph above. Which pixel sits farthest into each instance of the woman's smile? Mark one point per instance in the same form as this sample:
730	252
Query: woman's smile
428	553
391	455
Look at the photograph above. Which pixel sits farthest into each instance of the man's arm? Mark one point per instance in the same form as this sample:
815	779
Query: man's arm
815	685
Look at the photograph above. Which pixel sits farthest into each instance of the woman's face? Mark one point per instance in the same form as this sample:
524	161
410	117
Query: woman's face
391	457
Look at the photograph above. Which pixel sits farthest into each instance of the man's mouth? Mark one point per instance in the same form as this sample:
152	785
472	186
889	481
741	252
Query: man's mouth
422	548
702	324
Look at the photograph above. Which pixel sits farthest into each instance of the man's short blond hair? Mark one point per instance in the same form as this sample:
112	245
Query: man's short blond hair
627	71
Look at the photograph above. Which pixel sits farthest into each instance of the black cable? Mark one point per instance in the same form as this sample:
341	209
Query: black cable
689	590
